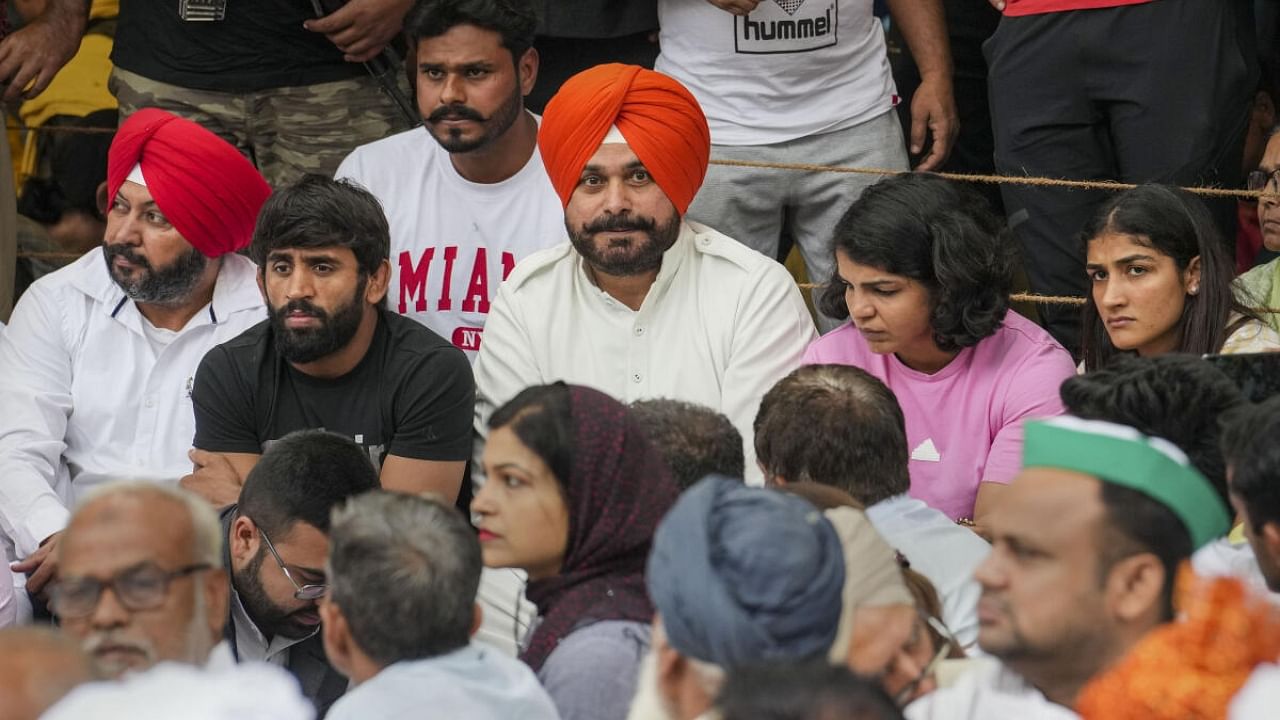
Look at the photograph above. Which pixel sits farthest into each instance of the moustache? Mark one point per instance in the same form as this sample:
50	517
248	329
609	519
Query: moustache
454	112
620	223
108	640
302	307
126	252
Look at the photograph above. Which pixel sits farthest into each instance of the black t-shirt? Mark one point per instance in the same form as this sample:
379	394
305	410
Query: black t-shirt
412	395
259	44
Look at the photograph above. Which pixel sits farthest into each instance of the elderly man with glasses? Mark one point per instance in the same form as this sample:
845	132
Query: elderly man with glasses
140	580
277	542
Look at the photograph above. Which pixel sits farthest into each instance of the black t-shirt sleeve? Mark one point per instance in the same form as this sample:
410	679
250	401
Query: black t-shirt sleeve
433	408
223	405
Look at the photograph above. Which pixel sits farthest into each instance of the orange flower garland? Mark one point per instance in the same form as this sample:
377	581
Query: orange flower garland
1191	668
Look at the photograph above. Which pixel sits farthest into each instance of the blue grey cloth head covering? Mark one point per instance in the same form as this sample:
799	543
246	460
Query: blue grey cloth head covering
743	575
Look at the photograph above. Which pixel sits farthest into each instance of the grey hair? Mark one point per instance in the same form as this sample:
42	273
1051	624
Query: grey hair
206	530
404	571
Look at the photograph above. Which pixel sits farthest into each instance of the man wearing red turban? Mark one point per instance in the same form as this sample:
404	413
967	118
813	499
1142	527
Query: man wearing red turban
640	303
98	361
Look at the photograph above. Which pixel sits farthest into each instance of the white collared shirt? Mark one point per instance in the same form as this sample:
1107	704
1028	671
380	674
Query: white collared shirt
86	398
720	325
473	682
942	551
990	691
252	645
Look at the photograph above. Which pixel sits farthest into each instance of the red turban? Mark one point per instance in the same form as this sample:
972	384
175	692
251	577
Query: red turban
660	119
204	186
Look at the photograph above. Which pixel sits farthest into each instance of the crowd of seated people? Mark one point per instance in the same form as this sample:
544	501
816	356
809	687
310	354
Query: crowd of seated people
509	415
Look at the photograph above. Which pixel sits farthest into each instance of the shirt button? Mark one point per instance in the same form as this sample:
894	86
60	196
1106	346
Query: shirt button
639	331
635	378
150	402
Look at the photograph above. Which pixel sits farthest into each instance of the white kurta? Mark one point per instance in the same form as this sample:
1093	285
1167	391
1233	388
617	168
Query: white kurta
720	325
990	691
87	395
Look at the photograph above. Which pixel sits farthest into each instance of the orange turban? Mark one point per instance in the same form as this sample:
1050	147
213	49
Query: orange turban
660	119
204	186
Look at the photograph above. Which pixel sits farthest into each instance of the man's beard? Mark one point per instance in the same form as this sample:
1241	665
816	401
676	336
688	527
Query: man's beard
271	619
304	345
634	254
169	285
492	127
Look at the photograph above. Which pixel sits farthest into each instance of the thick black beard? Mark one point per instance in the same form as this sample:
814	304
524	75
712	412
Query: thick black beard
169	285
494	126
635	254
271	619
301	346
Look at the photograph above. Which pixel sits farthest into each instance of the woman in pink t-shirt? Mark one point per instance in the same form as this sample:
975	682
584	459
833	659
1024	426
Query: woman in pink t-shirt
924	271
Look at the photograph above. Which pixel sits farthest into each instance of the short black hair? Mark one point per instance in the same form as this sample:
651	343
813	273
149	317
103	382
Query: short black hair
1174	223
541	416
301	477
941	234
1176	397
695	440
1251	445
835	425
1136	523
318	211
515	20
802	691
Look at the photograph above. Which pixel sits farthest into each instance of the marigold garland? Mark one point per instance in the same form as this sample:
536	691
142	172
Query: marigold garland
1191	668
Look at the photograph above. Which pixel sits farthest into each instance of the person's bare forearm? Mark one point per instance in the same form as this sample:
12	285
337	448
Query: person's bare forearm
923	24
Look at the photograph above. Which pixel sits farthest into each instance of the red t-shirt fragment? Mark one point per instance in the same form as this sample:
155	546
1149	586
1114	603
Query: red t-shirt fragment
1014	8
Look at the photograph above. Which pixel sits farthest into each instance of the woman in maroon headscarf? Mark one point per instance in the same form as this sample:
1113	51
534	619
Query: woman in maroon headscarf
573	497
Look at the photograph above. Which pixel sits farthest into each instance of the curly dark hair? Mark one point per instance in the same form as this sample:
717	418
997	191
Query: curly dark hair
940	234
515	20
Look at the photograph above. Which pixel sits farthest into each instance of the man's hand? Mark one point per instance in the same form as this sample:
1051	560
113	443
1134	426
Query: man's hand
30	57
737	7
933	112
215	479
998	4
362	28
40	566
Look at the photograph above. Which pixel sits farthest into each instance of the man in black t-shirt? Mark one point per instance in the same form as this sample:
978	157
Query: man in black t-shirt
330	357
287	88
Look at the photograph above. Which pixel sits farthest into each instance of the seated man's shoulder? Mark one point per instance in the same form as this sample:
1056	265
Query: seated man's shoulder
543	268
729	254
413	341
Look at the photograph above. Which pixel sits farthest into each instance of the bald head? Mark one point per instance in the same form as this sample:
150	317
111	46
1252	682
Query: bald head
37	667
158	549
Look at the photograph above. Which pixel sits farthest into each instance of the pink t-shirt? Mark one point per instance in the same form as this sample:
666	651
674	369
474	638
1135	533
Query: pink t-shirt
964	422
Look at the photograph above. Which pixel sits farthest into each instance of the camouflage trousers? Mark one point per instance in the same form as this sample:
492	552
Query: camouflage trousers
287	132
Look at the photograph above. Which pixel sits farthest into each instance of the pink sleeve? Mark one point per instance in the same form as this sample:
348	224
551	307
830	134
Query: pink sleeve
810	356
1032	393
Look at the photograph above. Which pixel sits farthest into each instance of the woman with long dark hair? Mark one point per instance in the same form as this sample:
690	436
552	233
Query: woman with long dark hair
924	271
573	495
1162	280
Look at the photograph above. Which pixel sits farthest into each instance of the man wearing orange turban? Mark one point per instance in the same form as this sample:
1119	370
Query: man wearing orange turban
98	361
640	303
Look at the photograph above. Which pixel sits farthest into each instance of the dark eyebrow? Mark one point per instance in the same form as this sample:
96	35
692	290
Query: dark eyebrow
474	65
506	465
304	257
144	204
1131	258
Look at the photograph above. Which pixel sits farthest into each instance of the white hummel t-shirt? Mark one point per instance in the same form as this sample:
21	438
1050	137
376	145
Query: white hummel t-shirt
453	241
790	69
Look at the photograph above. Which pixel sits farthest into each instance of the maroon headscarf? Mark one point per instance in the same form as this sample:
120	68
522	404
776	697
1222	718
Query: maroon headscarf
617	490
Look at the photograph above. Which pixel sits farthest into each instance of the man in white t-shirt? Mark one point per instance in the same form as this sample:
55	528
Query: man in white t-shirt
467	207
98	361
839	426
803	81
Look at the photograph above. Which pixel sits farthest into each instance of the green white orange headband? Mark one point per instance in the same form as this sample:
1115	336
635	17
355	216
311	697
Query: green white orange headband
1121	455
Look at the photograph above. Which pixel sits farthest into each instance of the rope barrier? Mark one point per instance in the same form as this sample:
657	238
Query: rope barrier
1109	185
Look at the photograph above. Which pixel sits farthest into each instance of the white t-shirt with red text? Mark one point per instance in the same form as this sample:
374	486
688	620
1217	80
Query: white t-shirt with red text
453	241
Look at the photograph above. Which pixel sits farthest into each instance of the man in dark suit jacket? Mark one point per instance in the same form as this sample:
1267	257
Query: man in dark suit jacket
277	542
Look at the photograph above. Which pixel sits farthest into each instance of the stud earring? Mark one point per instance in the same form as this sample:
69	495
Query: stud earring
1195	289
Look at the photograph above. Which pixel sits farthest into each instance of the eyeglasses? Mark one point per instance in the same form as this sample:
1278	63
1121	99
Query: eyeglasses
948	643
313	591
1263	180
141	587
